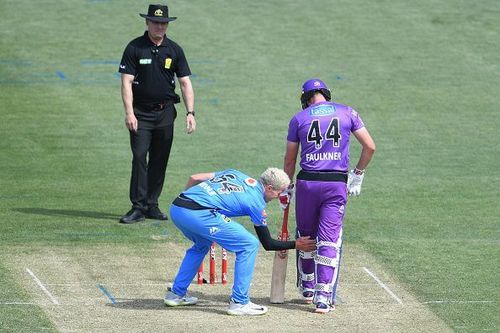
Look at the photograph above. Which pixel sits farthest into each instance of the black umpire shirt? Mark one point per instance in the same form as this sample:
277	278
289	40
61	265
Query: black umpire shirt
154	69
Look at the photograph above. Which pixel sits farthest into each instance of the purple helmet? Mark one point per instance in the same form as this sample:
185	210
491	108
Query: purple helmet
310	87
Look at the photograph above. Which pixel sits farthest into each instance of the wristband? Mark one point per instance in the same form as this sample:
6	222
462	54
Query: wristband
190	112
358	171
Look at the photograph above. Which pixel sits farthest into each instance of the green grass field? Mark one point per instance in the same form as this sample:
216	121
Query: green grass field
423	75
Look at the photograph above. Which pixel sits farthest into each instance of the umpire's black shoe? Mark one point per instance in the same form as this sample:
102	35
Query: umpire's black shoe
156	214
133	216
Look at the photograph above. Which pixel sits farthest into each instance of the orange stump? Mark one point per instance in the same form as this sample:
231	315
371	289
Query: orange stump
224	266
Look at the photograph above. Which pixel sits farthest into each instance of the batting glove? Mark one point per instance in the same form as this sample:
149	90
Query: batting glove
354	181
285	197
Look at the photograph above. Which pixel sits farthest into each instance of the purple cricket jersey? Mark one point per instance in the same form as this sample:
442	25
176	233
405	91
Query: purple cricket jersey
323	130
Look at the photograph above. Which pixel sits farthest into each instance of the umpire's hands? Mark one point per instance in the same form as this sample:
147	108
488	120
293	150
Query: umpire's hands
305	243
190	124
354	182
131	122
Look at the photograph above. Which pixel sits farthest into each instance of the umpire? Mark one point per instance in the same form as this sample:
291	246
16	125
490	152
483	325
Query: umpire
148	69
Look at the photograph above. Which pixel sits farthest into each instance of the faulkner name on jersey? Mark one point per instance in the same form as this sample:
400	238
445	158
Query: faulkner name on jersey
330	156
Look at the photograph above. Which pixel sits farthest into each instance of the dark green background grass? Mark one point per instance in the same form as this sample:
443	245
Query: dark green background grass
424	76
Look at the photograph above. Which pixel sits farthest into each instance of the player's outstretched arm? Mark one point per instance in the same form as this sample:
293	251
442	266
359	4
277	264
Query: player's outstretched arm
271	244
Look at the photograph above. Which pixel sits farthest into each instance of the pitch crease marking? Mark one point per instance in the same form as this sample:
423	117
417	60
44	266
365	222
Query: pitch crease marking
40	284
389	291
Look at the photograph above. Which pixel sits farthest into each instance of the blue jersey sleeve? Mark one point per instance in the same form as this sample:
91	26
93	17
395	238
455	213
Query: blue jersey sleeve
258	216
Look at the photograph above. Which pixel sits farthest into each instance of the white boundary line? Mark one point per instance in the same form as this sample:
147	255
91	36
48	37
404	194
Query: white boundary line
40	284
389	291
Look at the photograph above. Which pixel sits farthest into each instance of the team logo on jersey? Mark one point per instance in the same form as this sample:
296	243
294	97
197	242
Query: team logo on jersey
322	110
145	61
263	218
168	62
341	209
251	182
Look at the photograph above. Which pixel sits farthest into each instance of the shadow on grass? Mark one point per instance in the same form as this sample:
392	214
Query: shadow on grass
67	212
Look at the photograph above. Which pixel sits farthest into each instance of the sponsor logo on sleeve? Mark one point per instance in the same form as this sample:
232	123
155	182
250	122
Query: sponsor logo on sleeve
263	218
251	182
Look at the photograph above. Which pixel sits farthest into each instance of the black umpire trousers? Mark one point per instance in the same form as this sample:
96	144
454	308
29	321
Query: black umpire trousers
150	146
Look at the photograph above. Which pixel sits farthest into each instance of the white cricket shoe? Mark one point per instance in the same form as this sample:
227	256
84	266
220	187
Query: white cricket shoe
172	299
249	309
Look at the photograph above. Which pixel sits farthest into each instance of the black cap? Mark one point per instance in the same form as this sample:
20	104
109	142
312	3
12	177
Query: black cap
158	13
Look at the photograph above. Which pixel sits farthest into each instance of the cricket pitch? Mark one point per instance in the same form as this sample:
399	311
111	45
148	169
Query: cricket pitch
121	289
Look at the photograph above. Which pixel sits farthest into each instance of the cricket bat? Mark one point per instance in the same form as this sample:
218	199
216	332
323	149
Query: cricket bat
279	266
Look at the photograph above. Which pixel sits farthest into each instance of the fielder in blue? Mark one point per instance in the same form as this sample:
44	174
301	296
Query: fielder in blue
204	211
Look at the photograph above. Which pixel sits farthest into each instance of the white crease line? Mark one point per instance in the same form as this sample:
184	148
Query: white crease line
389	291
17	303
40	284
456	302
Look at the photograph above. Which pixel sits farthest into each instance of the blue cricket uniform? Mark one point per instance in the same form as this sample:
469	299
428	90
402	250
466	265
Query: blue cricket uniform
203	214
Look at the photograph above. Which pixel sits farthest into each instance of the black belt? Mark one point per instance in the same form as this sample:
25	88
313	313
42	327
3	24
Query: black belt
155	106
185	202
330	176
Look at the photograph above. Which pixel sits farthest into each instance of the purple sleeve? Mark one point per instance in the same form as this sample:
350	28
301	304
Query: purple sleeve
293	133
357	122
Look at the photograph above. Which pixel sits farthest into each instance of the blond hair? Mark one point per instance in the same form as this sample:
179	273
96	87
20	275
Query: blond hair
275	177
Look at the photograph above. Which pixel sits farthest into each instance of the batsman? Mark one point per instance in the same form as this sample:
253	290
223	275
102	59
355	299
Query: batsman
322	130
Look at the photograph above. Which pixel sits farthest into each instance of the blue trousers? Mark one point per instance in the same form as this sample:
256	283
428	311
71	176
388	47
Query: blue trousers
203	227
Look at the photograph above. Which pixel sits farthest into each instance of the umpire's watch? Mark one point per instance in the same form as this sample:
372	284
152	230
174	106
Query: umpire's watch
190	112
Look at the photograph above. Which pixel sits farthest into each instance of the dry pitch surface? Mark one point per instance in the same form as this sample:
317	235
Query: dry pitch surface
120	289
